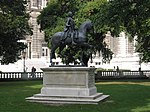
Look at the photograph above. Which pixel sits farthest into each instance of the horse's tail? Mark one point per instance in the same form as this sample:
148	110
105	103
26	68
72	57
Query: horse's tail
50	42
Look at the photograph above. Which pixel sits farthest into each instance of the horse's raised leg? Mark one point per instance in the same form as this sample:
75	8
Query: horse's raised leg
81	58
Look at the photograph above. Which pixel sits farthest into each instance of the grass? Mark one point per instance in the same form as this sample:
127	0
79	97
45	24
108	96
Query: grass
125	96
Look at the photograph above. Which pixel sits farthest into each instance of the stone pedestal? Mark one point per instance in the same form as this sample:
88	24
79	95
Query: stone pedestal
68	85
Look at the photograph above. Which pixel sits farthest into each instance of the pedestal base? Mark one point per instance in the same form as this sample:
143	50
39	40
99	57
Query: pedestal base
74	85
93	99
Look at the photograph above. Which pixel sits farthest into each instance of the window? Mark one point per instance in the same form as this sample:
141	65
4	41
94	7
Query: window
34	3
43	52
46	52
97	63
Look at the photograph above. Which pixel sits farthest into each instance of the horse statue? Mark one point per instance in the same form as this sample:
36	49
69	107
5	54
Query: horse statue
79	38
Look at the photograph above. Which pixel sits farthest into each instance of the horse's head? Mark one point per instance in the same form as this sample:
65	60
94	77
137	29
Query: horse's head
87	27
90	28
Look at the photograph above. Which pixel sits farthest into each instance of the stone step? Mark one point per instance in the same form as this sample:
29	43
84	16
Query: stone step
95	96
67	100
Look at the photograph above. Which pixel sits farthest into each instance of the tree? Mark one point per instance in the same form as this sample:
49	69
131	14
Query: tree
13	27
52	20
130	16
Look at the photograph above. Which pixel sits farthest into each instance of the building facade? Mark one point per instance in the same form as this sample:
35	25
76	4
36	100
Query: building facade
125	55
37	47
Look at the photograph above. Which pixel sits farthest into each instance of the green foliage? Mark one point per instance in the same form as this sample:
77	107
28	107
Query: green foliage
130	16
53	18
13	27
69	55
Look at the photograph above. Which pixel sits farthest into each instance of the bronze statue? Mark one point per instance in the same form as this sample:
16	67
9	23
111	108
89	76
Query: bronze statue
56	40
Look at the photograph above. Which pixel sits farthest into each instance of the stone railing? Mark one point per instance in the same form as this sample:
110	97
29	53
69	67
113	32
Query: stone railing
98	76
121	74
20	75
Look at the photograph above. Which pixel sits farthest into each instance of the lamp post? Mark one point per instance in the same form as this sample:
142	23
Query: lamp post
1	59
140	60
24	64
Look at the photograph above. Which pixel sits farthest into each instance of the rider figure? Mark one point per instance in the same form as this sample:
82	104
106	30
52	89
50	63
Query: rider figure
69	28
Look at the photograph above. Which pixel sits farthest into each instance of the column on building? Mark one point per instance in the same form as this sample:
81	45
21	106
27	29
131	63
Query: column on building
37	38
36	44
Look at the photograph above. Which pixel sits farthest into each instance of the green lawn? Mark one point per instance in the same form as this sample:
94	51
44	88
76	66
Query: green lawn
125	96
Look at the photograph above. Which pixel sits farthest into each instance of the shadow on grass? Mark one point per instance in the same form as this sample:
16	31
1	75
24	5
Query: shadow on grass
124	97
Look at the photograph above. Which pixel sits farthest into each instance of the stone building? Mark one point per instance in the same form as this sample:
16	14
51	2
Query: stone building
125	55
37	47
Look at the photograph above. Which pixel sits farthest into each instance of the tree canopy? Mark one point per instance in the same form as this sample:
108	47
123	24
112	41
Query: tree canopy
13	27
130	16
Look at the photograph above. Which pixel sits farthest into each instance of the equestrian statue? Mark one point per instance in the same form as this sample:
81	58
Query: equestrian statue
71	37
